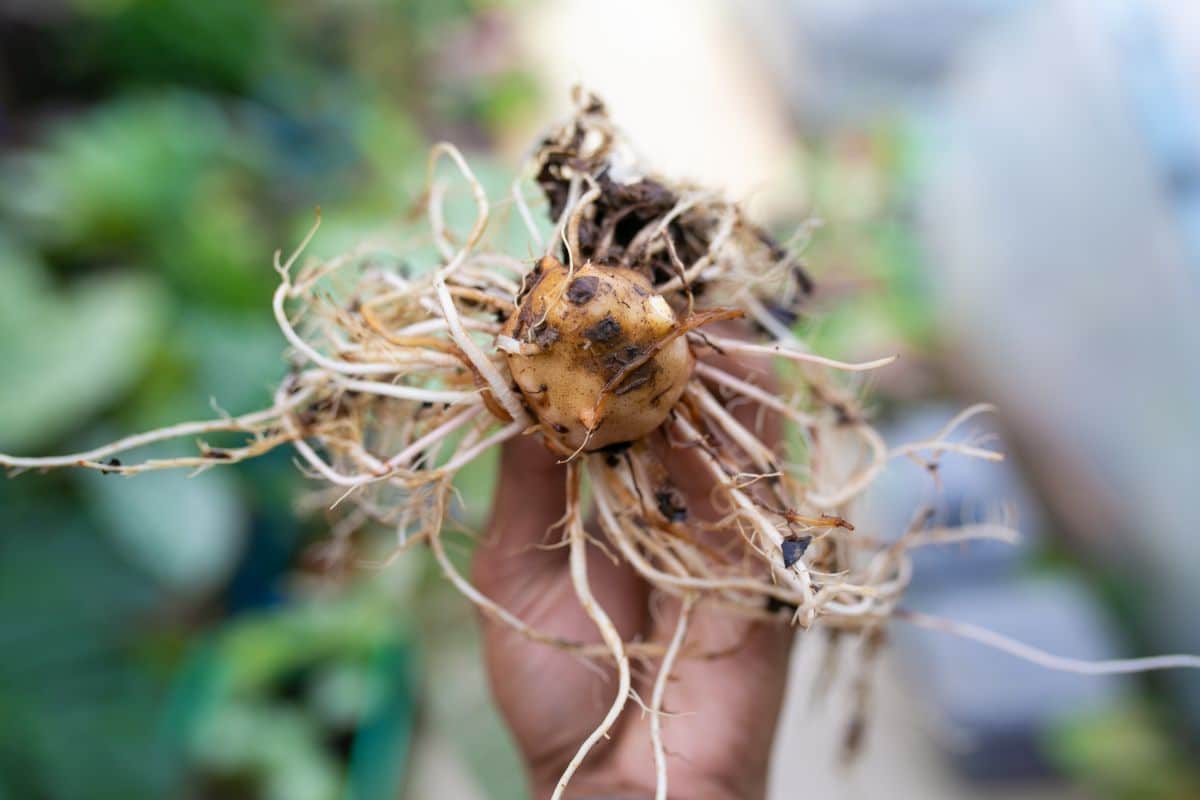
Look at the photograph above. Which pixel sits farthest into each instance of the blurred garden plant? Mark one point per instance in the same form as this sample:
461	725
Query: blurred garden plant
151	153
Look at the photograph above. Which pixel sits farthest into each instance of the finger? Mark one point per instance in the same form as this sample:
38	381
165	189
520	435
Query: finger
719	713
731	679
522	563
530	499
740	691
550	699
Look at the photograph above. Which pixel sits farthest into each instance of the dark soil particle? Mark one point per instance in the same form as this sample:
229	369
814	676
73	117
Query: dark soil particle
638	378
613	451
803	280
619	213
775	604
783	314
623	357
525	315
605	330
545	335
623	210
583	289
793	548
670	504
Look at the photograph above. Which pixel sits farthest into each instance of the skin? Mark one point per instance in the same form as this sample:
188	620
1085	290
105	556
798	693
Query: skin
718	747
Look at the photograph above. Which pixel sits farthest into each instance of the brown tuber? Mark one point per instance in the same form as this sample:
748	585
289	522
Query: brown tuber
598	357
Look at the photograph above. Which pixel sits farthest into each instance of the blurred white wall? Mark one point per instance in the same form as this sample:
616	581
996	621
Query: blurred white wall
683	81
1064	223
851	62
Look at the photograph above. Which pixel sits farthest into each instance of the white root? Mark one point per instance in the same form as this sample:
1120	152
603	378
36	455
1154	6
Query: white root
401	392
758	395
938	444
975	633
799	577
759	453
486	604
481	207
863	479
750	348
685	581
438	434
94	458
487	370
467	455
608	632
332	364
656	698
719	240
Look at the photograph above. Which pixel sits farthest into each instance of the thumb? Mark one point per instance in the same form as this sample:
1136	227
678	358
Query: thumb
530	498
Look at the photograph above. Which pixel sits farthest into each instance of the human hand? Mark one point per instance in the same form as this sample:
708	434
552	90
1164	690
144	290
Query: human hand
719	744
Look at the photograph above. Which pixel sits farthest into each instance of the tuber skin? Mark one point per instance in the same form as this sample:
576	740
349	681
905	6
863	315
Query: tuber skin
582	333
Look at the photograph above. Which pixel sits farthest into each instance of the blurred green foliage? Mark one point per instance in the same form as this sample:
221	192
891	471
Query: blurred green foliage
866	256
1124	754
45	385
278	699
864	250
153	154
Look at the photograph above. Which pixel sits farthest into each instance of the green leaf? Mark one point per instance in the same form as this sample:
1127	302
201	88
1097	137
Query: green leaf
62	358
112	177
1123	753
79	717
237	359
187	532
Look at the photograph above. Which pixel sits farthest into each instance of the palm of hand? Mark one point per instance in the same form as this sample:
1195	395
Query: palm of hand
552	700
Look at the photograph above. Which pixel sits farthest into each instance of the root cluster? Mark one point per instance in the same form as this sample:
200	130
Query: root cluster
399	380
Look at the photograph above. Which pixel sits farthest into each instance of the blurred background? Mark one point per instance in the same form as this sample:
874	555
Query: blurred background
1008	194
